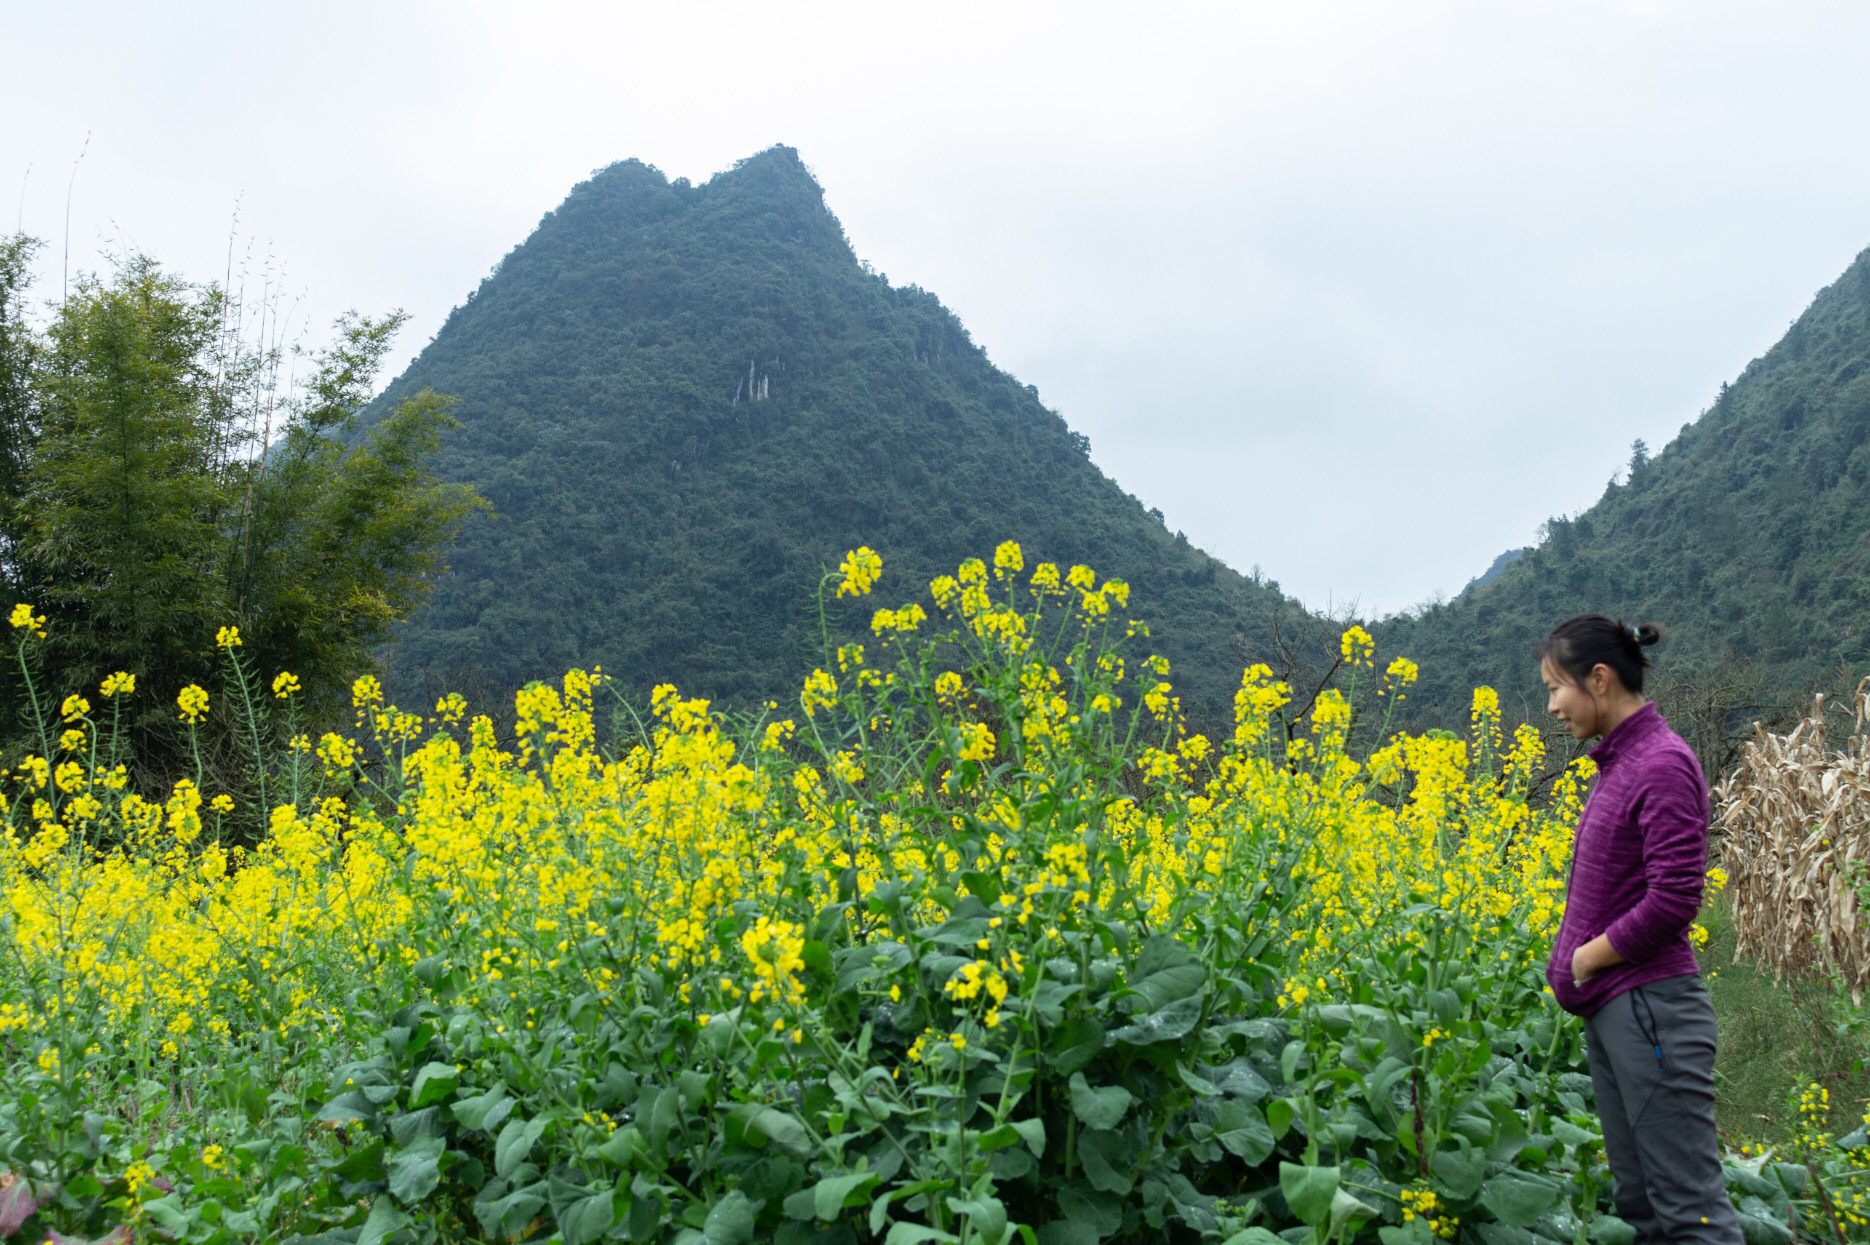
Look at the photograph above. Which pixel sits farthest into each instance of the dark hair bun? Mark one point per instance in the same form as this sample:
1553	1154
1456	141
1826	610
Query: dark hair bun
1648	634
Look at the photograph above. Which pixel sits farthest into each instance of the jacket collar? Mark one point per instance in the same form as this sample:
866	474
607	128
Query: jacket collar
1627	734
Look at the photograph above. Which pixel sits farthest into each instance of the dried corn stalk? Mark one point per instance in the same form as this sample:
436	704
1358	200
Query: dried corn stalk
1795	817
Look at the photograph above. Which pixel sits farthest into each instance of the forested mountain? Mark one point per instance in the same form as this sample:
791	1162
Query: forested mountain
683	402
1748	537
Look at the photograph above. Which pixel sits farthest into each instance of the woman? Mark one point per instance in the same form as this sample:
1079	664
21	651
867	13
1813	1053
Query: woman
1622	960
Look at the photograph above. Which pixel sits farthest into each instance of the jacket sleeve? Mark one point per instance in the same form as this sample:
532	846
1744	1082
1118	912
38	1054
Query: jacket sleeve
1672	814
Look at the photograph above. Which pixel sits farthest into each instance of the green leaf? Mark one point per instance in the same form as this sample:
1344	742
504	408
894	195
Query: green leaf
826	1200
1309	1191
351	1105
915	1234
168	1214
730	1221
1240	1079
1460	1171
1166	972
416	1171
1255	1235
621	1147
1241	1128
514	1144
413	1126
1103	1212
1074	1044
1519	1198
1098	1108
1108	1163
384	1219
1069	1232
986	1215
1347	1209
1032	1132
508	1215
483	1112
1610	1230
588	1218
1170	1024
784	1130
433	1081
1572	1135
1279	1113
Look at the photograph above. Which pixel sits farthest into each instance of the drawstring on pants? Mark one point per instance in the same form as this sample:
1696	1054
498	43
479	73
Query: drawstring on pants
1647	1023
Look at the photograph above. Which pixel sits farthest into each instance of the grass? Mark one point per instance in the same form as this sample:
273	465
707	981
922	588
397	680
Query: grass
1775	1036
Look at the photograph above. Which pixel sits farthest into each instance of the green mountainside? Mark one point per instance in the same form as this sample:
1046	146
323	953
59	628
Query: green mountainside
1748	538
684	402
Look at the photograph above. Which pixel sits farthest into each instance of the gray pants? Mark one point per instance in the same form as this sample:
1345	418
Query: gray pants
1658	1111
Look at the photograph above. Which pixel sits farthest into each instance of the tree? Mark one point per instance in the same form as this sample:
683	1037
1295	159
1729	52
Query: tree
150	500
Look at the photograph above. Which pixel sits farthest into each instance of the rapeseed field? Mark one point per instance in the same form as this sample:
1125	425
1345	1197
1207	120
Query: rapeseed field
973	942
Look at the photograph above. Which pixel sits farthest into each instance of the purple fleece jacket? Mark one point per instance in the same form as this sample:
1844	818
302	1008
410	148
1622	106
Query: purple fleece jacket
1638	863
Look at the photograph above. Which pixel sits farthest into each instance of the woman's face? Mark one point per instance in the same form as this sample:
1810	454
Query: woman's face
1572	703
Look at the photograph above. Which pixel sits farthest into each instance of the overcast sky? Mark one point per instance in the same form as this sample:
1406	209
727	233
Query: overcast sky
1356	293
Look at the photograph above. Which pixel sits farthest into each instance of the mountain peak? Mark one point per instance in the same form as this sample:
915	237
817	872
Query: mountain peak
684	402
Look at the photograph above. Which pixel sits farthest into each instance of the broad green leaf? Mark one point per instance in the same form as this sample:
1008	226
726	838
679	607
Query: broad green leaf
1241	1128
622	1147
1068	1232
416	1171
1166	972
1279	1113
784	1130
986	1215
1032	1132
1309	1191
730	1221
588	1218
350	1105
1074	1044
1572	1135
1610	1230
1240	1079
484	1112
1519	1198
1347	1209
1255	1235
832	1194
1170	1024
1103	1212
433	1082
1460	1171
384	1219
514	1144
1098	1108
916	1234
1108	1163
413	1126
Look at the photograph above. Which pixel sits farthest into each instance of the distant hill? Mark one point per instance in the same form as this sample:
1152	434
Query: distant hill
1748	537
1494	568
685	401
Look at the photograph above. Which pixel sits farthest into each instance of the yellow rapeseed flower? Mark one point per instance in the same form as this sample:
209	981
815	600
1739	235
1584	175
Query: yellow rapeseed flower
193	701
285	684
119	684
23	619
227	637
860	569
